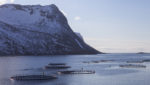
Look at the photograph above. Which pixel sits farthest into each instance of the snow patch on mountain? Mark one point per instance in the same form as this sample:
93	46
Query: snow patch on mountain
78	43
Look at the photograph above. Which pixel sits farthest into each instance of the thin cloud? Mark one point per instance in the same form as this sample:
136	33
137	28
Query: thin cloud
6	1
77	18
12	1
3	2
118	46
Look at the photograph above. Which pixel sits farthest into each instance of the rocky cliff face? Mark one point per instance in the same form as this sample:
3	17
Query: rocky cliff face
38	30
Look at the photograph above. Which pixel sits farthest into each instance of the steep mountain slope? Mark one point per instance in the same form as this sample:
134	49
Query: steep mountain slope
38	30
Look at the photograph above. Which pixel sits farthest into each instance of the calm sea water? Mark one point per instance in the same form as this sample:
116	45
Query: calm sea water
107	73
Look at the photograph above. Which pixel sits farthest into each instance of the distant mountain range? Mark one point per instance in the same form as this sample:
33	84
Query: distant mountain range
38	30
142	53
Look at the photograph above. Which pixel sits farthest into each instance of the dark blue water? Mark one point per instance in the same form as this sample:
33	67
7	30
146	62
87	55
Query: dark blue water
107	73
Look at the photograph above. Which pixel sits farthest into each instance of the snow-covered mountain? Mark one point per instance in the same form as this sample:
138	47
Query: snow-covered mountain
38	30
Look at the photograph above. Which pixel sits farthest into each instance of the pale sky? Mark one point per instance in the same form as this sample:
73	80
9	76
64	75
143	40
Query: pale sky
107	25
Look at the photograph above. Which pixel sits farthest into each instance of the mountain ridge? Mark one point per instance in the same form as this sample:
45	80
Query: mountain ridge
48	34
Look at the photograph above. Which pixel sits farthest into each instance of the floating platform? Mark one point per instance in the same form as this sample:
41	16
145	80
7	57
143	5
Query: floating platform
76	72
33	77
135	62
99	61
140	61
57	66
146	60
133	66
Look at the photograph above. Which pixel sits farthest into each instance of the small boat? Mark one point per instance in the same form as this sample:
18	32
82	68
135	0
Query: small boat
57	66
133	66
33	77
76	72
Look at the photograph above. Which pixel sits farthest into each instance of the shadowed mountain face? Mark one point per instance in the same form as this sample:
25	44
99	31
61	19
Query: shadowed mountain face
38	30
